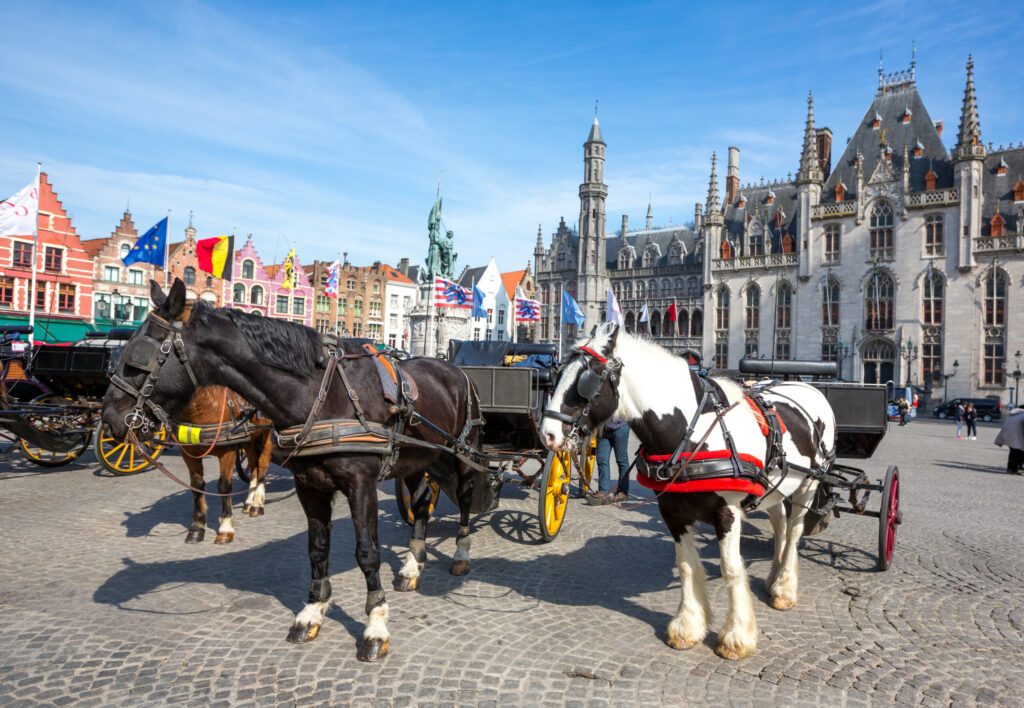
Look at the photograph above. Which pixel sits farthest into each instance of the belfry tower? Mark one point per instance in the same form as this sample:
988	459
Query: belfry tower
592	276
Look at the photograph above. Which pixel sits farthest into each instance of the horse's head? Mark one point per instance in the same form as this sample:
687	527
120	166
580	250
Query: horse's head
153	379
586	391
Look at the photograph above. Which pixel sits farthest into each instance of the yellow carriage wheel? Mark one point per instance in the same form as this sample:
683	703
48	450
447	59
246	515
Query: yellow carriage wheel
587	460
554	494
54	424
403	495
123	457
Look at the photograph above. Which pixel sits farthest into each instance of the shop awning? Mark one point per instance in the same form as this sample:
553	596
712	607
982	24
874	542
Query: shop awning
51	329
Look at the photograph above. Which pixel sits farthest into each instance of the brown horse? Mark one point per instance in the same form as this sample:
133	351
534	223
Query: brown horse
211	405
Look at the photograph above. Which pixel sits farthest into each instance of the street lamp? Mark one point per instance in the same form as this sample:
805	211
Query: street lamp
909	352
945	382
1016	378
114	310
843	352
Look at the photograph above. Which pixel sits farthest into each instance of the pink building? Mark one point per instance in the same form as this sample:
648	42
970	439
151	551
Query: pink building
250	289
296	304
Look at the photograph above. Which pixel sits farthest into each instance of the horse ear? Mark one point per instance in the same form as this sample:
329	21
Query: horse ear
175	305
609	346
156	294
593	331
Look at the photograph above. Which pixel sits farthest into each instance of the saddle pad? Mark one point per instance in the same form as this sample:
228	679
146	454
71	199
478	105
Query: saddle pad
389	376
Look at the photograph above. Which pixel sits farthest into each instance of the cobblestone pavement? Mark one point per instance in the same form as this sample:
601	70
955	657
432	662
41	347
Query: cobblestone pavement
102	602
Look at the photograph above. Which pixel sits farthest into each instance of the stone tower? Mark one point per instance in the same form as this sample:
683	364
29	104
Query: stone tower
969	160
592	276
809	180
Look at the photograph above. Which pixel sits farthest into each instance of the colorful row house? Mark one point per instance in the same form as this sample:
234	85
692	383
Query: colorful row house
120	292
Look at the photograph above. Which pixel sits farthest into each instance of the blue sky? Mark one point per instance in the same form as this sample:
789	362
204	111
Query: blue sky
326	126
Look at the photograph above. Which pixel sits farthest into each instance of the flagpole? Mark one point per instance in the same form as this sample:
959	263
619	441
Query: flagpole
35	256
515	311
561	295
167	253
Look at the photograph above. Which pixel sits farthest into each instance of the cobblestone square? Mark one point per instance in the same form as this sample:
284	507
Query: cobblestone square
101	602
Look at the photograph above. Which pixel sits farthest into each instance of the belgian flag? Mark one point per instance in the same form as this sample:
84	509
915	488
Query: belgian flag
216	255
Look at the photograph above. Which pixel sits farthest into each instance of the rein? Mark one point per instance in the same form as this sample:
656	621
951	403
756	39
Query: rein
170	475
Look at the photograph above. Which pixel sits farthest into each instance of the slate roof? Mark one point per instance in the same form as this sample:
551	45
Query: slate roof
998	189
414	273
662	237
471	276
757	205
890	104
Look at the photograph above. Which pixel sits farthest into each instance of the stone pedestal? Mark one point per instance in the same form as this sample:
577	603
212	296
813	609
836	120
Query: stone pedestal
432	328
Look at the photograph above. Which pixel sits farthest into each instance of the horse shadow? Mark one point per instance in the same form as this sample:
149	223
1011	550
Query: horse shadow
988	469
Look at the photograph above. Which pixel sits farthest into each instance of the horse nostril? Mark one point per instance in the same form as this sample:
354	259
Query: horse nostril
549	439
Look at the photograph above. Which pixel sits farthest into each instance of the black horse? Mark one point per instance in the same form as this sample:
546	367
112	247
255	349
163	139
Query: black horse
279	367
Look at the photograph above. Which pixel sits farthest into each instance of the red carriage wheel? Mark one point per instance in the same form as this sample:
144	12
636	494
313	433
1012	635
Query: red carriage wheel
889	517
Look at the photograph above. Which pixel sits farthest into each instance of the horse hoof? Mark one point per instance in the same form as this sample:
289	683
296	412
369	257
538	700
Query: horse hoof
256	511
246	508
224	538
372	650
460	567
195	536
406	584
782	603
679	643
301	635
733	653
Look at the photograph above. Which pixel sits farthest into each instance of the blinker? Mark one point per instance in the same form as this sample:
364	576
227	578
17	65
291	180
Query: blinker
589	385
142	353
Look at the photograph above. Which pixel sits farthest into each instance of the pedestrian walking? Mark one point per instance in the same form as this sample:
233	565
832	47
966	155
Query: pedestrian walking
1012	435
971	420
613	438
904	407
959	421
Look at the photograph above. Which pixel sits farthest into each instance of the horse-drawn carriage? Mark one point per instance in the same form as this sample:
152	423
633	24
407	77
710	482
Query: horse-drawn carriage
513	382
51	400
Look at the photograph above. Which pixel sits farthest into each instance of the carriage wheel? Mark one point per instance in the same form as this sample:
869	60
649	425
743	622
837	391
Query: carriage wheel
123	457
554	494
403	495
52	424
587	459
889	517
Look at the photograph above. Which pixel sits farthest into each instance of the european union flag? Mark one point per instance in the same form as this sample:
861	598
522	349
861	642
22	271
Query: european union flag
150	247
478	303
571	312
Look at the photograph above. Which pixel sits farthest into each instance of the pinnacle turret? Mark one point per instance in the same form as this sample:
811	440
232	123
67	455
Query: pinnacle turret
968	139
712	209
595	133
650	216
810	166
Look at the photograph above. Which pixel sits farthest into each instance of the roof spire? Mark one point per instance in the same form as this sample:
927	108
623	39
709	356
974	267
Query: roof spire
913	58
968	140
713	206
595	130
650	213
810	167
881	72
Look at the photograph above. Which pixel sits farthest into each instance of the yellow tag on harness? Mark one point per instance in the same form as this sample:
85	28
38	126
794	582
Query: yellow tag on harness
188	434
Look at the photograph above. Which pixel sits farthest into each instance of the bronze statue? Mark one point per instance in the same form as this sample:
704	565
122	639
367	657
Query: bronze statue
440	255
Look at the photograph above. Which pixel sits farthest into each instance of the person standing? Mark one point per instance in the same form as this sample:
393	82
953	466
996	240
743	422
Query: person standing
971	419
959	421
1012	435
904	407
614	437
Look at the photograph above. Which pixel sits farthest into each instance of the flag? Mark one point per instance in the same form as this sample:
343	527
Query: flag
150	247
613	313
449	294
645	314
289	271
671	312
478	303
333	270
216	255
19	215
527	310
571	312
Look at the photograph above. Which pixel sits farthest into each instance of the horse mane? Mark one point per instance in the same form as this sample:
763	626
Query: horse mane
287	346
628	344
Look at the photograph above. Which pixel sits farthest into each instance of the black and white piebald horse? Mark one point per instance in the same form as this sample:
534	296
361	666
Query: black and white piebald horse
672	411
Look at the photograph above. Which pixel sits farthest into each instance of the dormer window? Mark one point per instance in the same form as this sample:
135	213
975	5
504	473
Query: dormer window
787	243
888	153
1001	168
840	191
743	202
918	149
876	122
906	115
726	250
995	227
929	180
770	199
1018	190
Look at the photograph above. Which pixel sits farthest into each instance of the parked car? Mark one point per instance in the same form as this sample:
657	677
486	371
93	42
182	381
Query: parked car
987	408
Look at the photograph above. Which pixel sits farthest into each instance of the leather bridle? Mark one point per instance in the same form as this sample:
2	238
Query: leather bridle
154	355
588	387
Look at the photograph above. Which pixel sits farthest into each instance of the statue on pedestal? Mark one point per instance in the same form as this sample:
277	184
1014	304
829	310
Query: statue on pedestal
441	254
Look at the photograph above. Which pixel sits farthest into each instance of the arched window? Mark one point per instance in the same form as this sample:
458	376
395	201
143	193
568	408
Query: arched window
666	287
627	290
879	360
683	323
248	269
351	284
641	290
931	299
189	276
652	289
784	305
560	259
830	303
209	281
668	326
697	323
878	301
125	250
755	242
680	288
995	299
832	245
752	307
655	324
880	233
994	373
722	308
624	260
934	238
238	293
630	320
256	295
693	287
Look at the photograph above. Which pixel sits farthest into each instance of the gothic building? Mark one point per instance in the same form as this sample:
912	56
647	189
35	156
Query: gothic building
901	260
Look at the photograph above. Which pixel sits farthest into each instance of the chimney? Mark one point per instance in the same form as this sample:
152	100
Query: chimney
938	127
732	175
403	266
823	136
698	219
625	224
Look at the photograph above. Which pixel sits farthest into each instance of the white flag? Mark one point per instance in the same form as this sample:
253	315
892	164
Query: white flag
19	215
645	314
613	313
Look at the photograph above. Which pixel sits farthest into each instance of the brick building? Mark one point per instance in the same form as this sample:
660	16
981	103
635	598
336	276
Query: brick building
64	281
120	292
358	311
184	264
294	305
251	284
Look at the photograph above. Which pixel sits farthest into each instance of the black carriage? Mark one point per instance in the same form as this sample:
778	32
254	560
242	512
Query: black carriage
861	423
57	424
514	381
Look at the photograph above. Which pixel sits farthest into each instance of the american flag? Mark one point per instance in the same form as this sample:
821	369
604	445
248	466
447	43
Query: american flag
527	310
449	294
